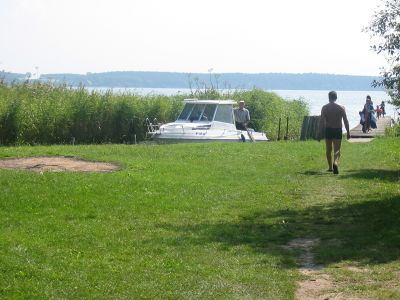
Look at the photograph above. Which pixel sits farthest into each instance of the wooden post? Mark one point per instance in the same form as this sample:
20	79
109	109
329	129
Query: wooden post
279	130
304	128
287	129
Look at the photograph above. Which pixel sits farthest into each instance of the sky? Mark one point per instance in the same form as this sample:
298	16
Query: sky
218	36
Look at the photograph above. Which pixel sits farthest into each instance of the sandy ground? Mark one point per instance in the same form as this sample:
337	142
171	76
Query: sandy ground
317	284
56	164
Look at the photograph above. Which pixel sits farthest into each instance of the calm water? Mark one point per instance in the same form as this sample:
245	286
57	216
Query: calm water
352	100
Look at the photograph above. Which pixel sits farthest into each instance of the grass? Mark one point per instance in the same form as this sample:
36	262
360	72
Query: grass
201	221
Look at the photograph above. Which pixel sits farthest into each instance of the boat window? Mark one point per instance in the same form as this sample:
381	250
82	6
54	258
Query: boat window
196	112
186	111
208	113
224	114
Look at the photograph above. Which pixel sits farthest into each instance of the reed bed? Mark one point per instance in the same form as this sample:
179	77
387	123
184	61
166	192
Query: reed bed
46	113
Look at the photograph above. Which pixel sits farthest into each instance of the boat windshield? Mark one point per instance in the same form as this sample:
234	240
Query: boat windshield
209	111
224	114
198	112
186	111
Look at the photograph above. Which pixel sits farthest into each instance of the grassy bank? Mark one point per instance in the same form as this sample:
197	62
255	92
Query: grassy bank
200	221
39	113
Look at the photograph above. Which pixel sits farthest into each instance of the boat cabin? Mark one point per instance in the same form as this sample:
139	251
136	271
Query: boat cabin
207	111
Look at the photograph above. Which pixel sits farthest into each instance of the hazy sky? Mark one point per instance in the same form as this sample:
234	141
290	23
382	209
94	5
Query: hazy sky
251	36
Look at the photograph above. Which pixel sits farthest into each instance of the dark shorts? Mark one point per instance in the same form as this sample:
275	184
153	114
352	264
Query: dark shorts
333	133
240	126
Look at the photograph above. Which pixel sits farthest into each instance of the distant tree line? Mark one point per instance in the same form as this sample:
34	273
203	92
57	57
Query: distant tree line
269	81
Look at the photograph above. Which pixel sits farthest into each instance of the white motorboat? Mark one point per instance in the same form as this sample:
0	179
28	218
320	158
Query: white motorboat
203	121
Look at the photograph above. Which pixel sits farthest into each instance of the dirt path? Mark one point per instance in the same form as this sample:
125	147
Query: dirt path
317	283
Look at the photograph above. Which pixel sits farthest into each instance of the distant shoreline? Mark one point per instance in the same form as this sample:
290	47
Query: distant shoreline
176	80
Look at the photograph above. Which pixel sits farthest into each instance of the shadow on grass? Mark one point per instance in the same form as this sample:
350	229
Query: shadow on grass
316	173
373	174
366	232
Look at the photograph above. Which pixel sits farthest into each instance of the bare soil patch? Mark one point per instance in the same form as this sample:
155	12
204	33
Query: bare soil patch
56	164
357	269
317	283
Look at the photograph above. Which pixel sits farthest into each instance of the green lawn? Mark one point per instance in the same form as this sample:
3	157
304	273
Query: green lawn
200	221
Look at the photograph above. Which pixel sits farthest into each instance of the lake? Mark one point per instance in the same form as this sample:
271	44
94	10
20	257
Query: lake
352	100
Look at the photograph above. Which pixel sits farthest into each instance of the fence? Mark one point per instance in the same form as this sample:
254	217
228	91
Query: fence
310	128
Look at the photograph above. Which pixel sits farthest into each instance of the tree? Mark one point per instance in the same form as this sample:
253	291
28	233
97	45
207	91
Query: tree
385	26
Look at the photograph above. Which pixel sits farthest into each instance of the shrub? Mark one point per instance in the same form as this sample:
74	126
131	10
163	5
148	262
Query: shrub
393	131
266	108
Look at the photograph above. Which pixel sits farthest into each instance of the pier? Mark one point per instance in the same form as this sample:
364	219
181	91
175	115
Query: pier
310	129
381	123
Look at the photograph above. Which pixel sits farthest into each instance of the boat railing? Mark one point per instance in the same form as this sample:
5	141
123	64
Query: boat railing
153	127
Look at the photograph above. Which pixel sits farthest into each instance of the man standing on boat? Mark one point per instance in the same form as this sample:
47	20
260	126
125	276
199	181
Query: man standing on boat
242	116
332	115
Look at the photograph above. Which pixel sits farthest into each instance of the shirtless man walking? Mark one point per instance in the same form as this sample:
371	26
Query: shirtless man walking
332	115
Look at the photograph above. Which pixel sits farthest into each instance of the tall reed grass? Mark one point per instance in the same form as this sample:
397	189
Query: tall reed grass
45	113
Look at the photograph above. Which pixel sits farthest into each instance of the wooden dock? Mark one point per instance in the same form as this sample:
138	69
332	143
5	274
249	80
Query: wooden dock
381	123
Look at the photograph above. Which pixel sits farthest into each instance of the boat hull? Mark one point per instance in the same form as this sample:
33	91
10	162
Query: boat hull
237	136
